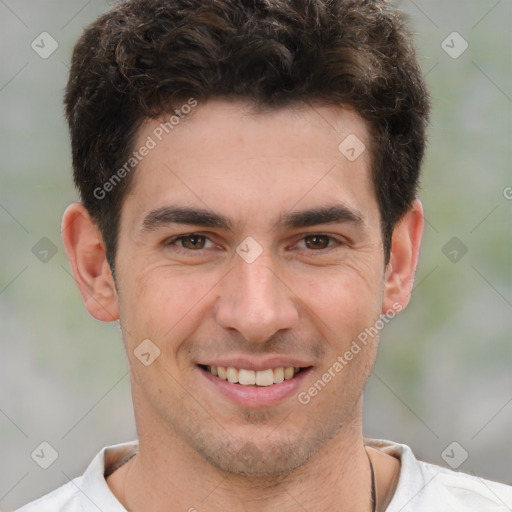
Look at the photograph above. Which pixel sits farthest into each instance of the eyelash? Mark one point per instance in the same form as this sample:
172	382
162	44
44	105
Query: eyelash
170	242
333	243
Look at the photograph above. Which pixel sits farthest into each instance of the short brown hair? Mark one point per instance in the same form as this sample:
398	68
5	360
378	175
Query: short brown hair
144	58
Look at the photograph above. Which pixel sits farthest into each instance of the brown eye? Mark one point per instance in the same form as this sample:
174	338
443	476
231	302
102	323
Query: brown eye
317	241
193	242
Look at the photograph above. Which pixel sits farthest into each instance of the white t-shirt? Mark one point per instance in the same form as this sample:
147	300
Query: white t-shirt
422	487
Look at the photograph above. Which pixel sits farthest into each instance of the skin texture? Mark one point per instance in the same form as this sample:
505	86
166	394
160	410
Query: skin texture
198	448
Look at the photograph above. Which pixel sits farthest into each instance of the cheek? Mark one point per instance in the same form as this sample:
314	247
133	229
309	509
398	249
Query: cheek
164	304
347	294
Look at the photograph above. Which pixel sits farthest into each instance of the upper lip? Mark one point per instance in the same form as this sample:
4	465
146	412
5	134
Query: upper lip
256	364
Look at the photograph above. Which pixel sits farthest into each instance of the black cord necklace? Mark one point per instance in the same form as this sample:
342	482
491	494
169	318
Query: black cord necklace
374	493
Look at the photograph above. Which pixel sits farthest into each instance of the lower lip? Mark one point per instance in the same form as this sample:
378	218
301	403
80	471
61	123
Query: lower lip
257	396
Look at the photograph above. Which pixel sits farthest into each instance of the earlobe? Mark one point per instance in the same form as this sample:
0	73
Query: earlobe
403	261
86	253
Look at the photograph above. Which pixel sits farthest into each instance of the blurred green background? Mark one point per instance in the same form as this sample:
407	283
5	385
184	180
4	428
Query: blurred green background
444	367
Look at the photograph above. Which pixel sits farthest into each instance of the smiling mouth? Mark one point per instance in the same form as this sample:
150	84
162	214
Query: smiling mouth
260	378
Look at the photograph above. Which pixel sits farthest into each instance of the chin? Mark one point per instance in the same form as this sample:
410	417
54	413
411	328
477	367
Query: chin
260	462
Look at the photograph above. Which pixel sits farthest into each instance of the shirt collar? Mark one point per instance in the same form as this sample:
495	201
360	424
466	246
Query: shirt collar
95	492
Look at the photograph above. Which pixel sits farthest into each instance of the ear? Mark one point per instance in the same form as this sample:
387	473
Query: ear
86	253
405	248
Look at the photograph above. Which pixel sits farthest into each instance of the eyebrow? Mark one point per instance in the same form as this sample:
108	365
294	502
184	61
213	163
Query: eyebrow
202	217
184	215
325	215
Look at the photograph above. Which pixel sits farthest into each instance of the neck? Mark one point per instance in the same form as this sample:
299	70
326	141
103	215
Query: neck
336	477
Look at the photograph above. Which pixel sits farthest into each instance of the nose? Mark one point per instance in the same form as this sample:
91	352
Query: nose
255	301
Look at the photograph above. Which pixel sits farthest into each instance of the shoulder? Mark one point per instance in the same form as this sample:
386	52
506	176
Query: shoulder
89	492
62	499
463	491
423	487
480	493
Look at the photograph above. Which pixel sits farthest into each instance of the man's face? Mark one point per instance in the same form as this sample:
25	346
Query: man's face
250	241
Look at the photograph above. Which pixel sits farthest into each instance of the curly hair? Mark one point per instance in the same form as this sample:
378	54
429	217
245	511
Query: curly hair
144	58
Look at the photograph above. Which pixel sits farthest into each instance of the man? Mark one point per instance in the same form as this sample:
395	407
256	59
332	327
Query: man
248	175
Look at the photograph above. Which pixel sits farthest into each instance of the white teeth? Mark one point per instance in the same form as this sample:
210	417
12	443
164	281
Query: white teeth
247	377
265	377
278	375
232	374
251	377
289	372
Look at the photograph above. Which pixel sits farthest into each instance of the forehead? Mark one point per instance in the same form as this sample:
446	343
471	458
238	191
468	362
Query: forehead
225	155
244	129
